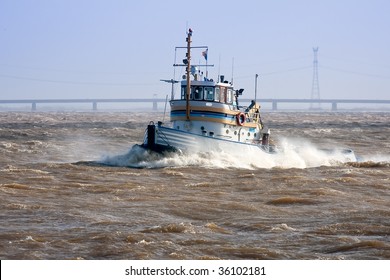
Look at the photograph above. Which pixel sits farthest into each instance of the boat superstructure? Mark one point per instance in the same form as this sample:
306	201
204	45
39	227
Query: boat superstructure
207	116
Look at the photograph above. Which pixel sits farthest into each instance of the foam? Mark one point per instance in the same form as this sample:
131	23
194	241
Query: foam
292	153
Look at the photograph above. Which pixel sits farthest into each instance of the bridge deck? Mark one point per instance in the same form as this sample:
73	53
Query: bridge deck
274	102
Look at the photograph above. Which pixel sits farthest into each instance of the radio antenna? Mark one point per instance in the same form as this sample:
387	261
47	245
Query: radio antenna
232	70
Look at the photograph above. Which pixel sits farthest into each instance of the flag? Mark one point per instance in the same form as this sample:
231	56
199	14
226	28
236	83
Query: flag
204	54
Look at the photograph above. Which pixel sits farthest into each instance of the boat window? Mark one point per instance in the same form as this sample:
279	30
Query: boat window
184	93
197	92
229	98
222	97
209	93
217	92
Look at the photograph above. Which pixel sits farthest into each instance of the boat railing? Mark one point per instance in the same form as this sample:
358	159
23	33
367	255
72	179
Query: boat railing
252	115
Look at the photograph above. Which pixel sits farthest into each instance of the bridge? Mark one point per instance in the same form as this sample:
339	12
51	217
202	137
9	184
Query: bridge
154	101
333	102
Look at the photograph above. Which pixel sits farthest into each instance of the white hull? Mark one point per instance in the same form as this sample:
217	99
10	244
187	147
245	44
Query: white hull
188	142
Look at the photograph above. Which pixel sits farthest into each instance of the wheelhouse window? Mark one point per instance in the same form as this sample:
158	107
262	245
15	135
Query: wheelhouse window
222	97
229	96
209	93
197	92
217	94
184	93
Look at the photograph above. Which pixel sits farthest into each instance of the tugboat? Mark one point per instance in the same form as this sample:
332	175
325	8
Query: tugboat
208	117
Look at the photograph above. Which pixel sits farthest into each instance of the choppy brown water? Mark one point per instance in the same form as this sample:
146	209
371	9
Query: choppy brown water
57	202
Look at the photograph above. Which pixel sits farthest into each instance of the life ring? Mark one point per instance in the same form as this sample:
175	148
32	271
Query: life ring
240	117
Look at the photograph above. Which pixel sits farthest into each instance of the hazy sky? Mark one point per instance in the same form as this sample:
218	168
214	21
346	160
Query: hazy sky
122	48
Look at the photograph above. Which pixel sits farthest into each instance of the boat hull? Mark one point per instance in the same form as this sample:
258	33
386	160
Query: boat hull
160	138
163	139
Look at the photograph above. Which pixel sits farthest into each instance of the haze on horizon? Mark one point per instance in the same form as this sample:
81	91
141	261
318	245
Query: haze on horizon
121	49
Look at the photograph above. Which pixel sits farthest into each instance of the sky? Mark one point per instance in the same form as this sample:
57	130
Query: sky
122	48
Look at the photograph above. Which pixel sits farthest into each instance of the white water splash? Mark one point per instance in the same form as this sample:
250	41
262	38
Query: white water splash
291	154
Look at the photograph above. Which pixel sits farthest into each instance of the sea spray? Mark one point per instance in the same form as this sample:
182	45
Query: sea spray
292	153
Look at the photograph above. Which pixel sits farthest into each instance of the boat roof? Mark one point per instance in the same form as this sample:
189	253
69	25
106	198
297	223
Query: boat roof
209	82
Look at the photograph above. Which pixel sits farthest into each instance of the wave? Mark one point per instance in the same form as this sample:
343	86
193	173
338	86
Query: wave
358	246
292	153
369	164
371	161
291	200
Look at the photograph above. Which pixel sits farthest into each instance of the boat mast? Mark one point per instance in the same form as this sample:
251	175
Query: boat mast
189	34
